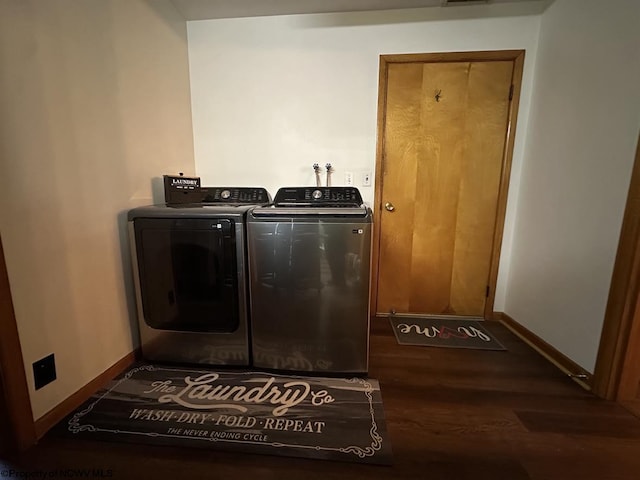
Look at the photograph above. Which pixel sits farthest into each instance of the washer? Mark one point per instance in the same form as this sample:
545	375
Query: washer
309	267
190	275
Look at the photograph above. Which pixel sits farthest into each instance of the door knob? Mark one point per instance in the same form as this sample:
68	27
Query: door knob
389	206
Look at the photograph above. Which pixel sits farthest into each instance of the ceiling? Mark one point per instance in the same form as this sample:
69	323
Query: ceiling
210	9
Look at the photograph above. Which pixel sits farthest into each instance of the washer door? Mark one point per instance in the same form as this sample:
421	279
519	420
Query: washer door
188	274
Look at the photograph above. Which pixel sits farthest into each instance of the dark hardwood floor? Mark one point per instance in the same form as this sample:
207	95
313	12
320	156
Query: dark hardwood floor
450	413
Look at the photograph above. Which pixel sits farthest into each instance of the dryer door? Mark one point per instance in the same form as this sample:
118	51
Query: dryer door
188	274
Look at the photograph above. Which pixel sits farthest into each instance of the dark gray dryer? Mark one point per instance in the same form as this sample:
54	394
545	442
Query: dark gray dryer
190	274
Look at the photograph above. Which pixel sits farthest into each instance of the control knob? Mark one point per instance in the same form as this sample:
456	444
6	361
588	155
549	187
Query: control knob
317	194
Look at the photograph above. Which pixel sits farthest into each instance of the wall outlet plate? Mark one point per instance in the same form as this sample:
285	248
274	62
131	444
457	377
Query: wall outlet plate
366	179
348	179
44	371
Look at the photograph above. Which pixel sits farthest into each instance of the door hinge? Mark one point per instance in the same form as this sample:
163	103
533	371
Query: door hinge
511	92
486	293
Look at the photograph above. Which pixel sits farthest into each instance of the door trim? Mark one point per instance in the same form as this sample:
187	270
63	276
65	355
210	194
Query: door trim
12	374
622	313
517	56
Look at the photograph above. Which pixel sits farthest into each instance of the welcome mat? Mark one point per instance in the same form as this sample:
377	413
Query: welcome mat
443	332
252	412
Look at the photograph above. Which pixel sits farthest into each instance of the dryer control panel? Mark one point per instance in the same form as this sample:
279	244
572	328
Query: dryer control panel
236	195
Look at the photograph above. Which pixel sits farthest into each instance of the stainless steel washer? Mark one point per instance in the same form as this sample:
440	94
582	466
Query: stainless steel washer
309	268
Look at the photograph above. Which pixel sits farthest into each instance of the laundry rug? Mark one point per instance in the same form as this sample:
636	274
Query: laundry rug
443	332
251	412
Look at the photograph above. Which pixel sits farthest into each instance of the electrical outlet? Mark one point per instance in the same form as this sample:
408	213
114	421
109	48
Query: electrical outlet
44	371
366	179
348	178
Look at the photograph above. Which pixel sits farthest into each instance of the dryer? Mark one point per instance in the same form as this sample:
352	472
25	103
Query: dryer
190	275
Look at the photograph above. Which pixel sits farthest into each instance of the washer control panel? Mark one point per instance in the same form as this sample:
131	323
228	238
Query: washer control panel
318	197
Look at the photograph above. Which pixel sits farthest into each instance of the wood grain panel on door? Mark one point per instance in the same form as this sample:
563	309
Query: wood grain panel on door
484	141
404	139
444	137
436	201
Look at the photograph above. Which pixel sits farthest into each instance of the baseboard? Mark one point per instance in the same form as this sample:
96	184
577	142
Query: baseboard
564	363
56	414
632	405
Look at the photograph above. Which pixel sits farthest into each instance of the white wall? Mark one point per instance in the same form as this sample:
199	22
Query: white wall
579	154
271	96
95	103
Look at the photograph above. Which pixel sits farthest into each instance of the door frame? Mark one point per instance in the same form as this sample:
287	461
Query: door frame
517	57
16	404
622	315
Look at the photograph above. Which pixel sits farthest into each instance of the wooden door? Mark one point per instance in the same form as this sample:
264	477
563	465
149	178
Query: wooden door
444	129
